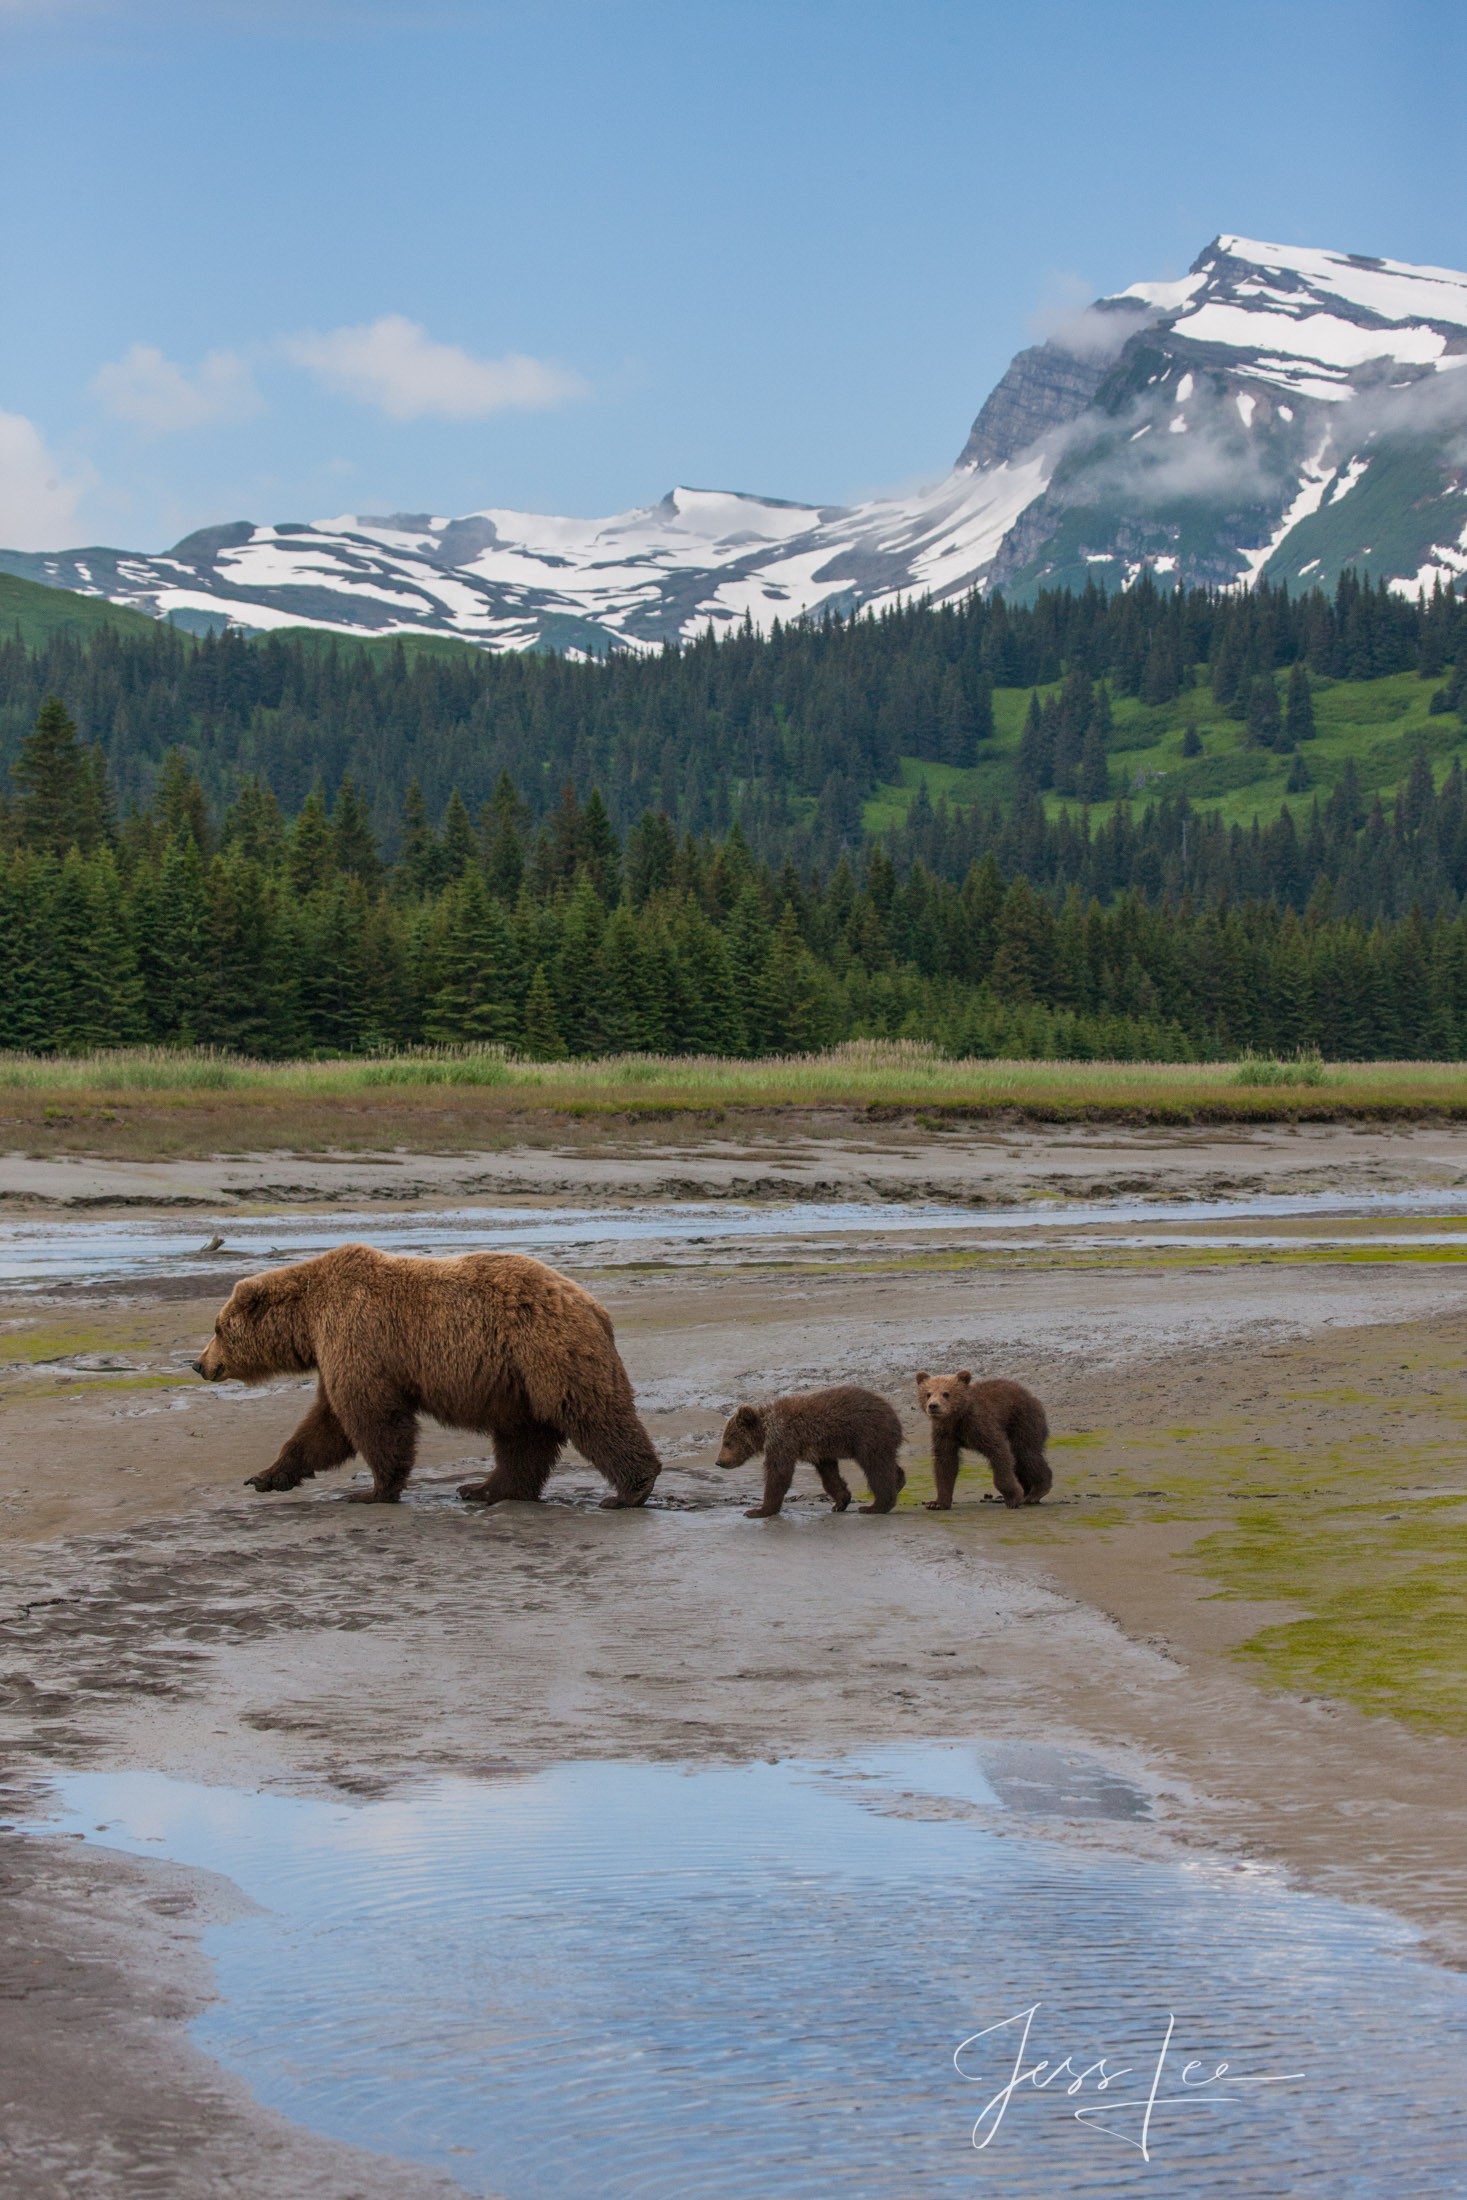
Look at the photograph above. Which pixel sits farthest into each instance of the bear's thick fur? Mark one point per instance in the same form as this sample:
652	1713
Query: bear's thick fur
492	1342
822	1427
1003	1420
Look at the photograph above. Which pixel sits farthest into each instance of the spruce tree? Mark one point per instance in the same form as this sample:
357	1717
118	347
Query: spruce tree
458	847
542	1041
1299	707
1264	722
1094	772
180	805
598	848
417	869
475	1000
61	798
310	859
353	843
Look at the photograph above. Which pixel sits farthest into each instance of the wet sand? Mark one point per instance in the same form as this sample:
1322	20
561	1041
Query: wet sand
154	1613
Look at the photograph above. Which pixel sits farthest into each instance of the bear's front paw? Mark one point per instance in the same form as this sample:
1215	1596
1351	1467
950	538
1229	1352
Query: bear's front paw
276	1478
762	1512
478	1493
935	1505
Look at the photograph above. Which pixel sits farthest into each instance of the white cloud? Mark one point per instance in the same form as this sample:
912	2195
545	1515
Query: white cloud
38	500
148	389
394	364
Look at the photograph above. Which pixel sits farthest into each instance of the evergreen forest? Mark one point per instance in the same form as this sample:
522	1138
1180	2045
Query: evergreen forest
293	846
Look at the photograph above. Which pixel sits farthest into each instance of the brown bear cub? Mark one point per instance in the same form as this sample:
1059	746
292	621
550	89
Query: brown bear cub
1003	1420
492	1342
821	1427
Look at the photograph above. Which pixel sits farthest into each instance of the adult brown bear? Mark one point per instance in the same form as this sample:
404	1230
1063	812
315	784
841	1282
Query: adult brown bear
491	1342
1003	1420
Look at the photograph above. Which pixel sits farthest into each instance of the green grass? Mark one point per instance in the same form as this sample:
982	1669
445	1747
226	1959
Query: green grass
42	613
1381	724
870	1073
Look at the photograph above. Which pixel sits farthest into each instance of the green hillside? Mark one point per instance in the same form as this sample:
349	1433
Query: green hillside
1380	724
39	614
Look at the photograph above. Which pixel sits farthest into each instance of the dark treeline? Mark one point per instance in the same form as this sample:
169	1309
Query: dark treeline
177	924
786	733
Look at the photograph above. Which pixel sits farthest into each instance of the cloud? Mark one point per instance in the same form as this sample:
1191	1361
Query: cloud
1086	327
148	389
394	364
38	500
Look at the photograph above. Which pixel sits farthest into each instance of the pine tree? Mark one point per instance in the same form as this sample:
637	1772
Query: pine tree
1264	722
310	858
458	847
1094	773
62	794
1191	741
651	857
1298	708
179	803
253	826
417	869
353	843
542	1041
599	852
747	940
475	1000
501	840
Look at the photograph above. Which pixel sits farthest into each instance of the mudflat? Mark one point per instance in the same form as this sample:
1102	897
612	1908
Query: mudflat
1246	1589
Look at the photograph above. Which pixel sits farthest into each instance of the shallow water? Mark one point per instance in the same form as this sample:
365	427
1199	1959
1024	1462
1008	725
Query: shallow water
35	1255
660	1982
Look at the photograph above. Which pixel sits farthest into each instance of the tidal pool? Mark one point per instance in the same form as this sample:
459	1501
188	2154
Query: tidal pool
669	1982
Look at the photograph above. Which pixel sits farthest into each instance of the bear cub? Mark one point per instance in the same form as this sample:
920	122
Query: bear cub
821	1427
1002	1420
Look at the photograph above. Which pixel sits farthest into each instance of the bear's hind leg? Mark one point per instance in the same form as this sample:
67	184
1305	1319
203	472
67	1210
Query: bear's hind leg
837	1489
884	1478
388	1451
1034	1471
995	1449
317	1445
614	1442
523	1458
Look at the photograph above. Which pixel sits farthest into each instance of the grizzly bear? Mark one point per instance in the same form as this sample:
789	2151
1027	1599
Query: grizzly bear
821	1426
1003	1420
490	1341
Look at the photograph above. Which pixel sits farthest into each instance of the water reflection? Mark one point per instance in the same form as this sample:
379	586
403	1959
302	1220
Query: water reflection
651	1982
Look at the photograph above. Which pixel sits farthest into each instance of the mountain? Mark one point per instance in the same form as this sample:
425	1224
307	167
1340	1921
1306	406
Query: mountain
1280	412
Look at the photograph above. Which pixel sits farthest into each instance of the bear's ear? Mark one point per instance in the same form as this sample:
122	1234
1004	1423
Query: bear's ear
964	1375
246	1296
923	1376
747	1417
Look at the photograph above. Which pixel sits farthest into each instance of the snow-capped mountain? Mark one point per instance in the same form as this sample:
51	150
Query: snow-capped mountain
1279	411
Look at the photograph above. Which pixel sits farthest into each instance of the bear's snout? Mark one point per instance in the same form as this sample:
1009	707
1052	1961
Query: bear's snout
210	1362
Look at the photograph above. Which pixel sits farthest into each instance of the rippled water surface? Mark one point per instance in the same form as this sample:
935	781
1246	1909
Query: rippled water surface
34	1255
634	1982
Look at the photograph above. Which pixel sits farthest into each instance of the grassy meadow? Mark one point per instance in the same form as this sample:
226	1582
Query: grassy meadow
152	1100
1381	724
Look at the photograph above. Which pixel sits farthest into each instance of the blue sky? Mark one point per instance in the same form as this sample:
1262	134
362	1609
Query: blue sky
279	261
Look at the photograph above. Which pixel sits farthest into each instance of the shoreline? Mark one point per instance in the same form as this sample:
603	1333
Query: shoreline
155	1614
